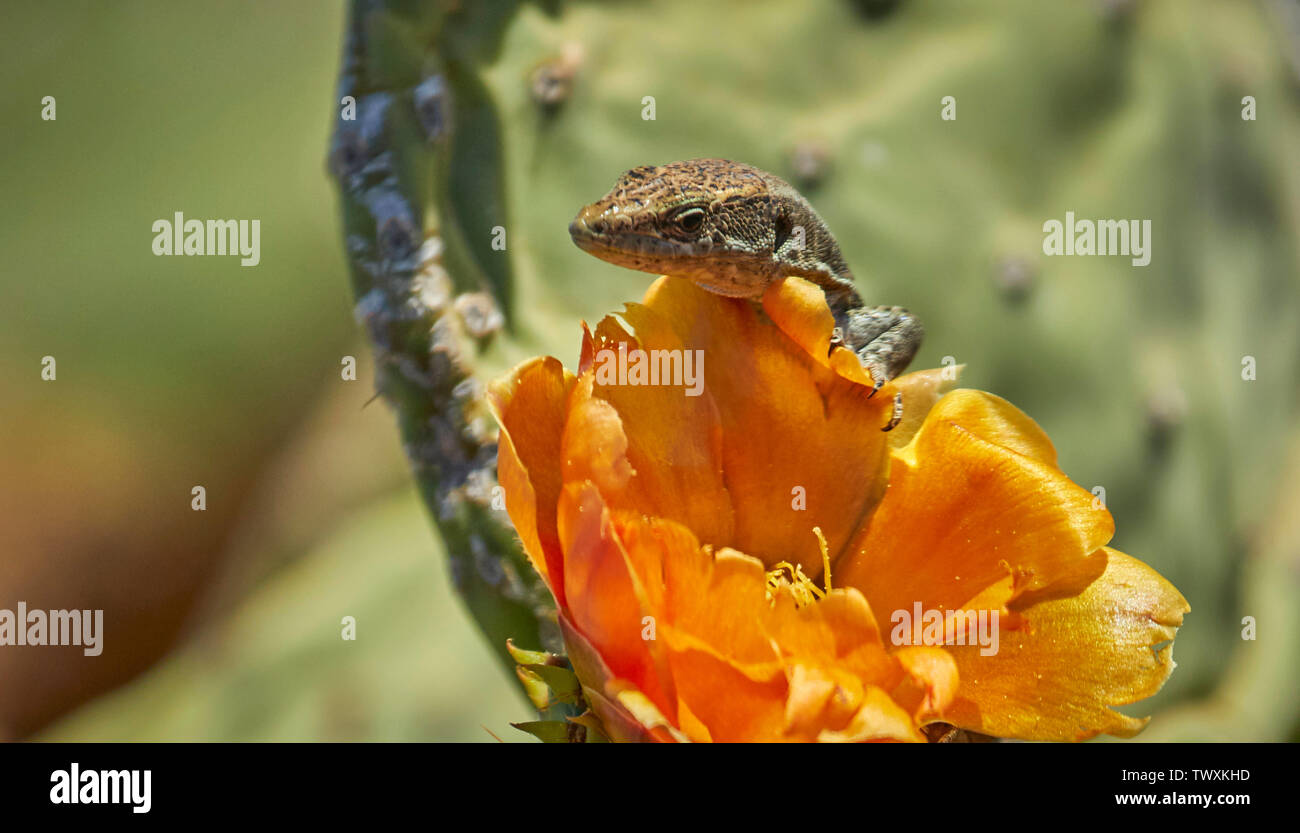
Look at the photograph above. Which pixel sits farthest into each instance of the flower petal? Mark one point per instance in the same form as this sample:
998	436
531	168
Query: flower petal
801	445
604	602
529	404
972	500
879	718
933	675
650	448
733	706
624	717
1075	657
798	307
921	390
714	603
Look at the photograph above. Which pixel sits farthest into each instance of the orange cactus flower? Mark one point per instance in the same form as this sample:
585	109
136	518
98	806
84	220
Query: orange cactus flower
752	559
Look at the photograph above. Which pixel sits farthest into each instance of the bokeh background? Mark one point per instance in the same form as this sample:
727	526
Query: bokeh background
183	371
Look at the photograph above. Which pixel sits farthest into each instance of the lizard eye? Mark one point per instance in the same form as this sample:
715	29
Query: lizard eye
689	220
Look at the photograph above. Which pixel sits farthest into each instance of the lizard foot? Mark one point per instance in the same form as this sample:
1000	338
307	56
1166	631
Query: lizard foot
879	376
885	339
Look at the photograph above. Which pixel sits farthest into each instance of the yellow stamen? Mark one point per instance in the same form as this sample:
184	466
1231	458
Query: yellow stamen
826	556
804	590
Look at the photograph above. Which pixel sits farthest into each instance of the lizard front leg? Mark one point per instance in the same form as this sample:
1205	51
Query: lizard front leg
884	338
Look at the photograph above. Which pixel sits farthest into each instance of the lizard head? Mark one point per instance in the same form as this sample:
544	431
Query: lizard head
709	220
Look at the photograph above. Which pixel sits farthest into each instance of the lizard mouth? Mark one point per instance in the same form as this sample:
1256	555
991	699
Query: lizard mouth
646	253
620	246
697	260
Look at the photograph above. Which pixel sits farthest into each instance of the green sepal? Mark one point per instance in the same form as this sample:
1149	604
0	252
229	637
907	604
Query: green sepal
548	731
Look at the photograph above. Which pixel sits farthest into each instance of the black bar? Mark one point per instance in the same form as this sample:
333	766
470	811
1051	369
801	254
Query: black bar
492	783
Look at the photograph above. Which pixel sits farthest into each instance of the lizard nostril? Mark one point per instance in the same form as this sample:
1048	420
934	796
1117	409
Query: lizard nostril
587	225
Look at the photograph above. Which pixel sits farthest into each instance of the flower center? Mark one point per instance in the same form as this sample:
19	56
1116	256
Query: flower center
803	588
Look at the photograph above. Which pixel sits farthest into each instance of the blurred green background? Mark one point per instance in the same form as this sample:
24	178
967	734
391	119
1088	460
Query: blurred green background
175	372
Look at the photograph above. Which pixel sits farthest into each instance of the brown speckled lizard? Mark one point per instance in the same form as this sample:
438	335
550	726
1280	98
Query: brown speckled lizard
734	230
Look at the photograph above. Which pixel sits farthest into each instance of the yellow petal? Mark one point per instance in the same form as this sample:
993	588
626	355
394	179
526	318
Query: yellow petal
1057	677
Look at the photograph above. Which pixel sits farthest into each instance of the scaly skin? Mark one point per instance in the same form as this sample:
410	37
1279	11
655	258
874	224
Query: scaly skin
734	230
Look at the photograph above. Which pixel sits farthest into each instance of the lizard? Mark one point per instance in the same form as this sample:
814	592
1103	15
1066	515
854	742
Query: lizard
734	230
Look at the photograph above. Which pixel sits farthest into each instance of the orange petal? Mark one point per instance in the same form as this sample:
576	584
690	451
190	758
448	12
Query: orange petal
801	445
837	630
799	308
878	719
624	717
921	390
801	670
593	446
730	703
713	603
1057	677
529	404
973	500
932	680
650	448
604	602
727	677
997	421
821	698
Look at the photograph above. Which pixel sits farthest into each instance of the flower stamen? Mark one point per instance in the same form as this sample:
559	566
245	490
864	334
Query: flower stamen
804	590
826	556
